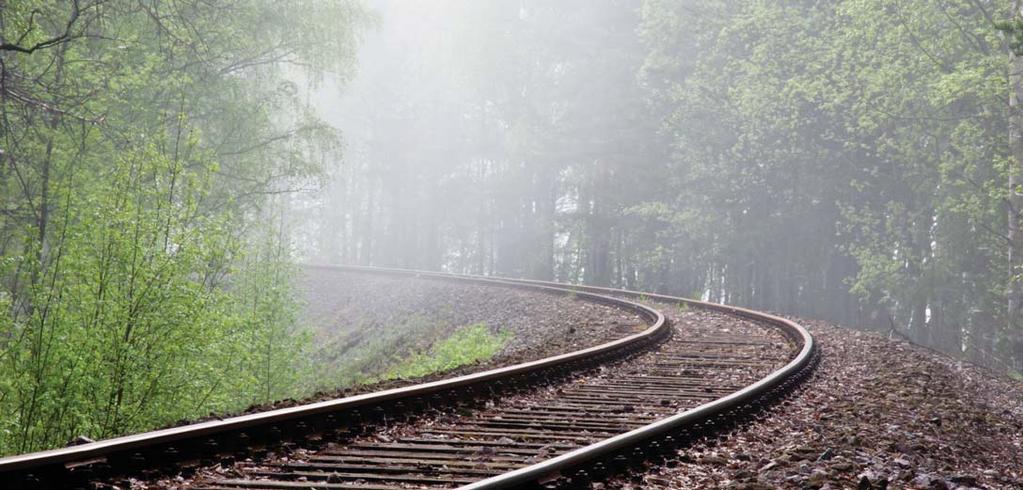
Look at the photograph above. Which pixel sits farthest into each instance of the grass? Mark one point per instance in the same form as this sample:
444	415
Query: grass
404	348
367	352
464	346
682	308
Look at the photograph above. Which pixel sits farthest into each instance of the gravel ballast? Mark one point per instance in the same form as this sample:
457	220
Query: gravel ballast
345	309
598	400
354	305
335	302
875	414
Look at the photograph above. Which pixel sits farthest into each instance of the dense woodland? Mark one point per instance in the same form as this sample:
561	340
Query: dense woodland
165	163
847	160
144	147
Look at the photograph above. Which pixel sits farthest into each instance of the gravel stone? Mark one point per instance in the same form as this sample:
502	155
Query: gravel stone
893	415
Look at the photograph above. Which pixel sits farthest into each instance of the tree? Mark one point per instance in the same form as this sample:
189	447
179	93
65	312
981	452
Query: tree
142	143
1015	196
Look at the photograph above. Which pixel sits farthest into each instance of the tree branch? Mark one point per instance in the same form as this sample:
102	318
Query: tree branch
66	36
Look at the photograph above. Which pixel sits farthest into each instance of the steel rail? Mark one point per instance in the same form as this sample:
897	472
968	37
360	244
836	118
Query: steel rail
44	462
675	423
750	394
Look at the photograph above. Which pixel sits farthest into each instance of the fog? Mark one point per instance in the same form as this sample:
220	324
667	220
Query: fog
166	169
834	161
475	133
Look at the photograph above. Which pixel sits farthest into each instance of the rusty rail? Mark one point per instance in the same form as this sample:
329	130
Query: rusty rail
798	366
44	469
37	470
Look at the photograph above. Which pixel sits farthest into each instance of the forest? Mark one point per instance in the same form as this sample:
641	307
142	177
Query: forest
855	161
167	166
146	147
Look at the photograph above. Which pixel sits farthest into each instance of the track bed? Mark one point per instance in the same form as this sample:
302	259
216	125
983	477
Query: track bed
710	355
556	421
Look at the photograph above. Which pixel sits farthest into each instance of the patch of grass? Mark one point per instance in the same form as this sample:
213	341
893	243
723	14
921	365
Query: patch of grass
367	352
464	346
1016	375
682	308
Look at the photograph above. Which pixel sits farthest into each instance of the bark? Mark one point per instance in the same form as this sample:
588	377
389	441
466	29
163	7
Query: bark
1015	200
43	210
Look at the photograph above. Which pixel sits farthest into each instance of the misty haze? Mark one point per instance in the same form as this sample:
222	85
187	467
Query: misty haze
391	244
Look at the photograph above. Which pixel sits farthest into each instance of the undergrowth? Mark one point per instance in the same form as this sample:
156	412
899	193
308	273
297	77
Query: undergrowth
682	308
464	346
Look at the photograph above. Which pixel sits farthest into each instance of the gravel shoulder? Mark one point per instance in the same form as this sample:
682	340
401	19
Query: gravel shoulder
337	302
347	310
876	414
597	401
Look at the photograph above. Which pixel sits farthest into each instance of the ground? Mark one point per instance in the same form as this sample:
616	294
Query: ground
877	413
366	324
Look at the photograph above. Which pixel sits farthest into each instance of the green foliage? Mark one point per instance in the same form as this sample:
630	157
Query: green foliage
367	353
831	148
1013	29
143	274
465	346
273	349
363	352
682	308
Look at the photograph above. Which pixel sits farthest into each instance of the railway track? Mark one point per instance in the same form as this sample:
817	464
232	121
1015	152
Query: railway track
559	421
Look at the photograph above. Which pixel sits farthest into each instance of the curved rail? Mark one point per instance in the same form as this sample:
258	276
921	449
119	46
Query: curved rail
117	449
33	467
750	394
674	423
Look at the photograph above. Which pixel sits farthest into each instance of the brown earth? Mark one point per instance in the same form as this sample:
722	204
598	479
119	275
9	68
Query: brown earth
336	303
771	351
351	308
876	414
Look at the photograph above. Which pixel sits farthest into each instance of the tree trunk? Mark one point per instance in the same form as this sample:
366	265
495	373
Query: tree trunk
1015	200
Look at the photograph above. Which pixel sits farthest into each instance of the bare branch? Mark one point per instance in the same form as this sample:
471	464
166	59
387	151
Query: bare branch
66	36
